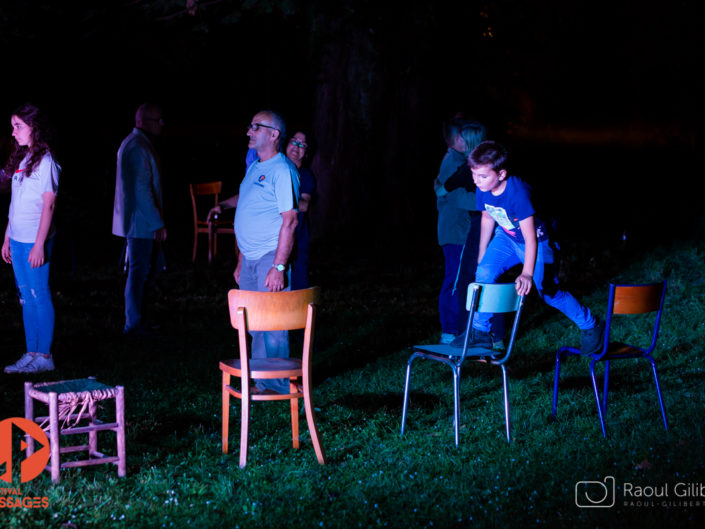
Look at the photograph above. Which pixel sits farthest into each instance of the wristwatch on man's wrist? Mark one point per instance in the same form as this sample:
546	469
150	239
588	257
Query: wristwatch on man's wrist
279	267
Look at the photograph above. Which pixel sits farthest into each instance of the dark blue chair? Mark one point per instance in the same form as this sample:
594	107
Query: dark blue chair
623	299
482	297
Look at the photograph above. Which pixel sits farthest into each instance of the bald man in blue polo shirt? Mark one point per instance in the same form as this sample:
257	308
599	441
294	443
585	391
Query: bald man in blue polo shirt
265	224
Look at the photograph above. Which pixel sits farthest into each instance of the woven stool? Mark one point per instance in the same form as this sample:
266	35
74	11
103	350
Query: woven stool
69	402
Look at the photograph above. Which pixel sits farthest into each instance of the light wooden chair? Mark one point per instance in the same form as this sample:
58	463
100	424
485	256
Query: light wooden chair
271	311
201	225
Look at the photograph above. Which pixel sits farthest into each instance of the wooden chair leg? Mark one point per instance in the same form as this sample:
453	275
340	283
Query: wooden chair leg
120	419
210	242
54	436
195	244
93	435
245	422
294	414
311	420
29	414
225	411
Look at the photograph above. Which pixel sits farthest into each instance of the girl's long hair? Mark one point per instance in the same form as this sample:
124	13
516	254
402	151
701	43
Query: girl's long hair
41	137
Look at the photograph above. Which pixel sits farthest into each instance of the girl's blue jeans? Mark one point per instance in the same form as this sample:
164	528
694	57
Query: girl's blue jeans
35	296
503	253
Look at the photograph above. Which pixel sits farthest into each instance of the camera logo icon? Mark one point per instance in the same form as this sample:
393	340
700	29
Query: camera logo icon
595	494
11	431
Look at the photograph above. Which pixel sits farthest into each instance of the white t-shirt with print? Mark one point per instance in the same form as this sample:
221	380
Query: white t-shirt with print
27	204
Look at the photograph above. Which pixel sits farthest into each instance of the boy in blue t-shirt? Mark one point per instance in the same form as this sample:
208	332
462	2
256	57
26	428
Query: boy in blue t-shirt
519	237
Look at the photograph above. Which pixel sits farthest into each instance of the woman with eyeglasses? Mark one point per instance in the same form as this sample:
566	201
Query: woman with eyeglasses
298	150
29	235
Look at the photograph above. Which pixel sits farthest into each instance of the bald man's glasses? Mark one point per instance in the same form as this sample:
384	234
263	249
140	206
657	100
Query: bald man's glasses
254	127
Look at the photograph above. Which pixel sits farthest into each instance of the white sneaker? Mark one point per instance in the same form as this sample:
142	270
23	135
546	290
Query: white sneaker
39	364
20	364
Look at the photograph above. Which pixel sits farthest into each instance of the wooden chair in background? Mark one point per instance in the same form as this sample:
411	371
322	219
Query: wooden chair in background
271	311
201	225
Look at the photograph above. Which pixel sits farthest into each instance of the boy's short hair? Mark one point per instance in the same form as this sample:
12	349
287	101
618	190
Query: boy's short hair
489	153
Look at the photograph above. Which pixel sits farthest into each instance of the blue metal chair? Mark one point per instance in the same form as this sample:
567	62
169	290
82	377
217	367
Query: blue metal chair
495	298
623	299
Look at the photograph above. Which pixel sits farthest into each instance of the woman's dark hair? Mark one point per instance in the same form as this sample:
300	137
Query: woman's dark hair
38	123
489	153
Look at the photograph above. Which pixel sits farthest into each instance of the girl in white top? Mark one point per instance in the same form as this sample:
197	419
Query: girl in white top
29	234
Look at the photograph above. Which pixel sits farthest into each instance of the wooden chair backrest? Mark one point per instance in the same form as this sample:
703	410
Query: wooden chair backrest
207	188
272	311
638	299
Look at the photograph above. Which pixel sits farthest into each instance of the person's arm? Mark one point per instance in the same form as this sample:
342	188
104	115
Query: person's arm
526	278
238	268
6	254
36	254
275	279
139	162
304	202
461	178
228	203
486	230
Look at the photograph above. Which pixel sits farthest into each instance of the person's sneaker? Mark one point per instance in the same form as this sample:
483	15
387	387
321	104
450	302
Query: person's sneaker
498	345
39	364
478	338
20	364
447	337
591	339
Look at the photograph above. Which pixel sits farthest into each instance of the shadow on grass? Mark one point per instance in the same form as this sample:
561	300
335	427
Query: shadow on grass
372	403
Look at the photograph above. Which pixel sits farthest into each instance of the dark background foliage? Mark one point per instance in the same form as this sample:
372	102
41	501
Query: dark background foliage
597	100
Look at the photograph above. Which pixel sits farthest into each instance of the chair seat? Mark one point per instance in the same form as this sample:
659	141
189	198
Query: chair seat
622	350
615	350
447	350
265	367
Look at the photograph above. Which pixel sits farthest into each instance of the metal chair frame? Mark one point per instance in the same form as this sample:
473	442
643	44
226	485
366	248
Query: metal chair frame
623	299
482	297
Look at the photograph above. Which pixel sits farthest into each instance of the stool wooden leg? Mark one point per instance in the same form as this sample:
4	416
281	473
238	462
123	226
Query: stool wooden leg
54	436
120	419
29	414
92	434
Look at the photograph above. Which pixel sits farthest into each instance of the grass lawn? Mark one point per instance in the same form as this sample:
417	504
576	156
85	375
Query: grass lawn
370	315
